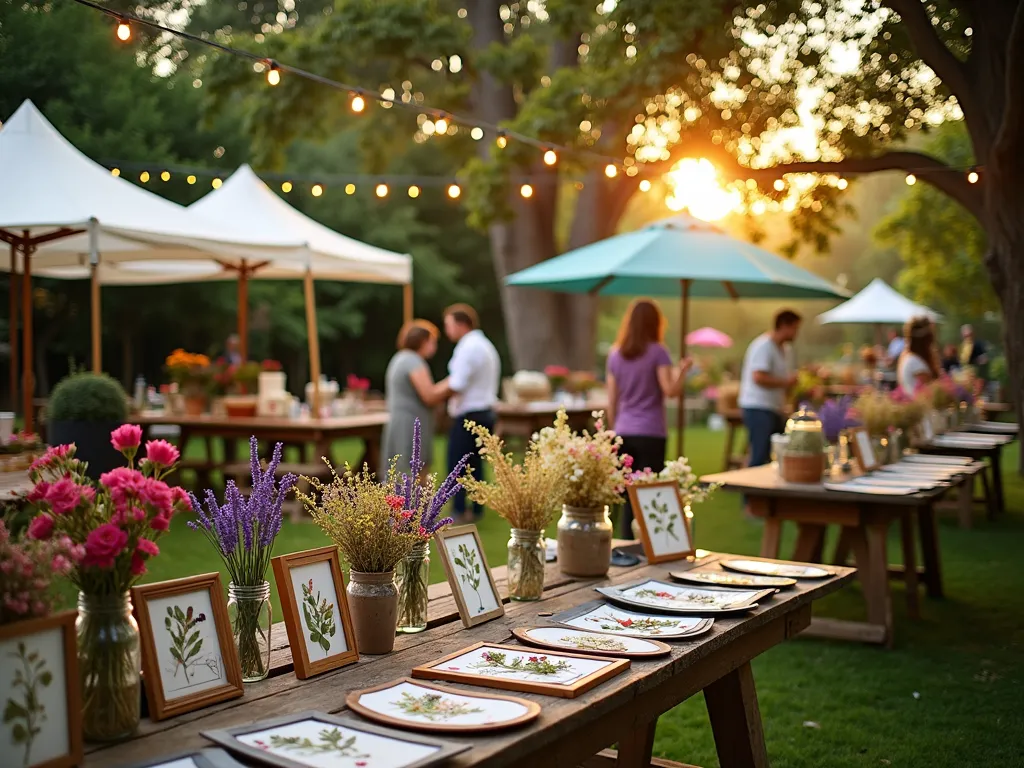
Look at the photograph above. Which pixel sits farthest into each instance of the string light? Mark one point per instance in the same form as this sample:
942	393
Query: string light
144	177
779	185
165	176
414	191
381	190
842	183
216	183
476	133
317	190
191	179
124	31
350	189
454	191
115	171
611	171
273	73
550	157
526	190
972	177
645	185
286	187
358	103
441	126
501	141
911	179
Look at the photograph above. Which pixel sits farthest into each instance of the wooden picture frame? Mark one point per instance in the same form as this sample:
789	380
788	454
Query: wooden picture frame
46	636
657	548
229	738
863	450
210	757
221	661
286	568
353	702
457	570
441	669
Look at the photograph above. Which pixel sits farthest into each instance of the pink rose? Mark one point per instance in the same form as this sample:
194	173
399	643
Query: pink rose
126	439
64	495
124	485
41	527
38	492
162	453
138	567
147	547
627	460
156	494
103	545
60	564
160	523
179	496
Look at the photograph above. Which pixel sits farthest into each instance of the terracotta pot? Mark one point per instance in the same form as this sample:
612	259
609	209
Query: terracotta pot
240	406
373	602
195	405
584	541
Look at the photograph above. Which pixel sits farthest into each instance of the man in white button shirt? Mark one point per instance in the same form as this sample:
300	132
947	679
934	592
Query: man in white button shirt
474	376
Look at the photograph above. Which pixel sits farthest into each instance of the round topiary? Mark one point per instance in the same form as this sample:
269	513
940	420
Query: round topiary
88	397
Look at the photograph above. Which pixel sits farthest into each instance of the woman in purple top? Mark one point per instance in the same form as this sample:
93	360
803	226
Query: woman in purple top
640	376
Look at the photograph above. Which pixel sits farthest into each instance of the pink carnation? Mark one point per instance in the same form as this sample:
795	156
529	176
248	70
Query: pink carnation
103	545
156	494
38	492
138	567
53	455
627	461
41	527
64	495
179	496
60	564
148	548
126	438
160	523
162	453
395	502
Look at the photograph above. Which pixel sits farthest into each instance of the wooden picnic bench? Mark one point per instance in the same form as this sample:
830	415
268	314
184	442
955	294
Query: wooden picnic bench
569	732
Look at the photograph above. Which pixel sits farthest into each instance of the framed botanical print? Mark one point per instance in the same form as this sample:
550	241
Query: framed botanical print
470	578
664	528
189	659
514	668
41	724
315	607
863	449
318	740
192	758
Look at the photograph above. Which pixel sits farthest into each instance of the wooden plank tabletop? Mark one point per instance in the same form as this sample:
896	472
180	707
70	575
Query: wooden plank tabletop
266	423
568	729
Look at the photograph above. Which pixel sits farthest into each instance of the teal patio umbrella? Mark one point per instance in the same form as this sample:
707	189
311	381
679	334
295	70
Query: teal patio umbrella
678	256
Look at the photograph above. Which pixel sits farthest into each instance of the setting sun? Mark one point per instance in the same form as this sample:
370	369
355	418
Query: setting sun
694	186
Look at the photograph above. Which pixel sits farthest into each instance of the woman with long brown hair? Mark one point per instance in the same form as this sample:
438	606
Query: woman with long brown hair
919	362
640	376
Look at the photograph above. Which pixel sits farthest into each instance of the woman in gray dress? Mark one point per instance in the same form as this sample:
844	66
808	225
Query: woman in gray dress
411	394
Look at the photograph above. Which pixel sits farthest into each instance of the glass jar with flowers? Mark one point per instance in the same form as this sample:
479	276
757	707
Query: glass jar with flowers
116	522
594	476
192	375
242	530
417	490
527	495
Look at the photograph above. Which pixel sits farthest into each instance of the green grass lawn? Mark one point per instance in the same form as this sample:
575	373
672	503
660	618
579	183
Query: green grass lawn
949	694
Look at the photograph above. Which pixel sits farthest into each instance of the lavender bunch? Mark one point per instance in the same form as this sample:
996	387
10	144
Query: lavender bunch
243	529
835	417
421	493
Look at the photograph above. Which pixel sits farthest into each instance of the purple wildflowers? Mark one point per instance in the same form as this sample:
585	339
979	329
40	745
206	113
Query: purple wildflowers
243	529
418	493
835	417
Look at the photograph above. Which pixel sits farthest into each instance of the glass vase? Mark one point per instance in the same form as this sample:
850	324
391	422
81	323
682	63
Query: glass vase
526	554
109	666
413	577
250	615
584	541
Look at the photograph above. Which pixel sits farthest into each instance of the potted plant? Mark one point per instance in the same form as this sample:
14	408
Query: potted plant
83	410
557	375
527	495
117	521
241	399
193	376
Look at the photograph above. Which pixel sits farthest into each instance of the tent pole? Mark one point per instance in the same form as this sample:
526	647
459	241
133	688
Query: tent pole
27	375
407	303
243	311
314	341
94	301
13	329
683	330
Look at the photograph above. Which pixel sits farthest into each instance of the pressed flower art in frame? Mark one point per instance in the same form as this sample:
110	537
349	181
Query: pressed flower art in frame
469	576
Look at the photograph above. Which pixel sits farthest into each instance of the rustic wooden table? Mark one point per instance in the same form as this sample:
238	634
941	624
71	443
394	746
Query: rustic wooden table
569	732
980	447
864	520
521	420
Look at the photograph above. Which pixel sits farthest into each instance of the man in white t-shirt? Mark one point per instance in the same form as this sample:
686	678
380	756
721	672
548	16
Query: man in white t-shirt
767	374
474	378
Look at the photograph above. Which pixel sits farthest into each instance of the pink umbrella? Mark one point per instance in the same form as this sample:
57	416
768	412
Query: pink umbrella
708	337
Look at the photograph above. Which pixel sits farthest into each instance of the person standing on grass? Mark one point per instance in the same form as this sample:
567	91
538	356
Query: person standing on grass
474	376
766	376
640	376
919	363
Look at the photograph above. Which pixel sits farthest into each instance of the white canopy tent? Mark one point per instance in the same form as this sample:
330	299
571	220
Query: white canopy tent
877	304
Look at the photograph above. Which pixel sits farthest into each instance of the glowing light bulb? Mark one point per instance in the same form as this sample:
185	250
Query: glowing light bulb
274	74
190	179
842	183
611	171
972	177
526	190
501	141
165	176
317	190
358	103
124	31
779	185
645	185
216	183
441	126
477	133
911	179
414	191
115	171
144	177
454	191
381	190
350	189
550	158
286	187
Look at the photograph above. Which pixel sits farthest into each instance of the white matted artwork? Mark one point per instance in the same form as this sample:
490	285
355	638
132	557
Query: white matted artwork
35	728
664	528
182	624
469	576
319	610
864	450
663	596
578	641
601	617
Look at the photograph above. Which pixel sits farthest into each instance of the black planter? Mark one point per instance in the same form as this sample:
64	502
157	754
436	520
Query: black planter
92	440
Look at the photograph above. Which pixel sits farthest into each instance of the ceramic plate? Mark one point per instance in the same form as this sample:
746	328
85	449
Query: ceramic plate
764	568
723	579
662	596
560	639
871	490
610	620
420	706
924	458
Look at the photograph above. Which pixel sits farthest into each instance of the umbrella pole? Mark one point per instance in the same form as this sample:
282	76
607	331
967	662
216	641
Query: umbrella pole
27	377
314	341
13	329
683	330
406	303
243	311
95	315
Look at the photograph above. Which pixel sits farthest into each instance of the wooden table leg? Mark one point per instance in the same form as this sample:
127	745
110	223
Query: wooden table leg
909	541
930	550
636	748
869	553
842	553
810	542
986	490
736	720
965	501
997	479
730	432
770	538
